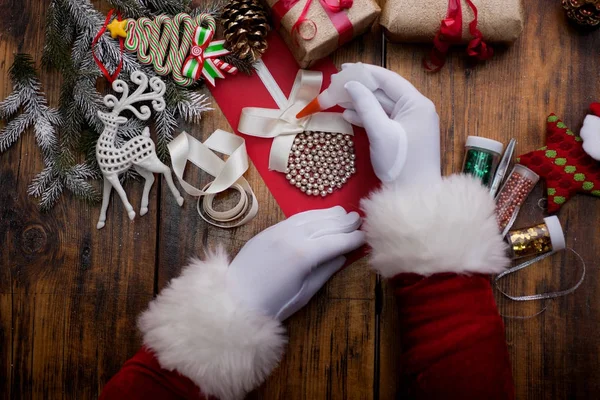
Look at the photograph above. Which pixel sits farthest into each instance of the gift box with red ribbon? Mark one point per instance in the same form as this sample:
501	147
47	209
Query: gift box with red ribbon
314	29
420	20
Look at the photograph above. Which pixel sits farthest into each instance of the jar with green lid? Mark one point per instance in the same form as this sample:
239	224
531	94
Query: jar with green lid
481	158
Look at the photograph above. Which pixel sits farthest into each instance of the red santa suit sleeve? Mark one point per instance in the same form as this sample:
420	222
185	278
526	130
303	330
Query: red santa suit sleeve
437	244
200	342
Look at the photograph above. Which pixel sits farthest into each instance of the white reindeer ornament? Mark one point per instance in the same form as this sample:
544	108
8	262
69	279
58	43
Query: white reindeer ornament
138	152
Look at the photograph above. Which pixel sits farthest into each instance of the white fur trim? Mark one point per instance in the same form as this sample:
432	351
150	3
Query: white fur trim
445	227
590	133
198	328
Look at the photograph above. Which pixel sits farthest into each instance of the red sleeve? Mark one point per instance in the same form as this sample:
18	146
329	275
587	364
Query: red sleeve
141	377
452	338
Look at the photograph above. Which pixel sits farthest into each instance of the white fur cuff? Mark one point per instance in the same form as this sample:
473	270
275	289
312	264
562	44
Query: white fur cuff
196	327
446	227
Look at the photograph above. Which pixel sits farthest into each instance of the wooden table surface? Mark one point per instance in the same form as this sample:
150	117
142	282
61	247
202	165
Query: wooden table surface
69	294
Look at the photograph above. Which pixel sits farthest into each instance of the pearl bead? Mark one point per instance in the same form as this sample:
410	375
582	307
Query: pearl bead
301	171
329	190
330	178
333	141
296	141
297	153
293	172
320	153
352	156
306	175
323	193
326	153
311	180
302	157
309	157
343	180
288	177
303	189
309	192
315	192
304	181
309	186
345	148
303	163
298	184
353	170
301	136
348	174
339	185
303	141
315	175
300	148
292	181
321	187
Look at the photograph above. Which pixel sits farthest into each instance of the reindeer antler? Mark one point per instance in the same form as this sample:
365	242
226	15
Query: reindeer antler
125	102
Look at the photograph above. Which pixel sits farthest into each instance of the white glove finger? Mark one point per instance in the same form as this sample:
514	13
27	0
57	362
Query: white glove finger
323	273
352	117
310	287
332	246
387	104
367	107
333	226
315	215
396	87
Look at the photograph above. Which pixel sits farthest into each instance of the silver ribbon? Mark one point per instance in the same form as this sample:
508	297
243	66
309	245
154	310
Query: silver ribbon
228	174
281	124
541	296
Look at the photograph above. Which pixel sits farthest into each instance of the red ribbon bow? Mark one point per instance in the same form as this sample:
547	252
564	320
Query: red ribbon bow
451	33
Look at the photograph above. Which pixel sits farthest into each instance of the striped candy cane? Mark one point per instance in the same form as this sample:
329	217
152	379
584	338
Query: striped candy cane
157	42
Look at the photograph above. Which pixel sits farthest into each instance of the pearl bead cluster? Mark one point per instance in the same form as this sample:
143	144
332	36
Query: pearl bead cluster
320	162
513	195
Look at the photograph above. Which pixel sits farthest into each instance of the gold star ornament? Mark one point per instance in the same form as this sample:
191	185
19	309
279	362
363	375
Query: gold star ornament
117	28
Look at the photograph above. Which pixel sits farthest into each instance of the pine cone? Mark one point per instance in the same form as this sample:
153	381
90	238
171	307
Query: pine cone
246	27
583	12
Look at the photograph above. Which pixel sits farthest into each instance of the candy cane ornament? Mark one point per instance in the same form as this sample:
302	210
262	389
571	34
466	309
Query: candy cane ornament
181	46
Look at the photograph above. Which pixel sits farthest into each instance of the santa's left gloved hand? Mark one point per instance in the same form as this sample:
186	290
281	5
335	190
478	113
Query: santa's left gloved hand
279	270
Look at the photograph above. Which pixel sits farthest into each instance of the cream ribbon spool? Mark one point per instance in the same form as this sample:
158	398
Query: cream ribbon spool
228	174
282	124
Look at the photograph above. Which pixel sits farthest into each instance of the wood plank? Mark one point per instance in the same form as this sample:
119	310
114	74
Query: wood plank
74	291
6	340
183	234
553	355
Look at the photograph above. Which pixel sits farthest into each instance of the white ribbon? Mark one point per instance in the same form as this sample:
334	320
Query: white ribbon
228	174
282	124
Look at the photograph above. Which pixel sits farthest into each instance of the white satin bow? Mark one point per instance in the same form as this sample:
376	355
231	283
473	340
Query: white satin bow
282	124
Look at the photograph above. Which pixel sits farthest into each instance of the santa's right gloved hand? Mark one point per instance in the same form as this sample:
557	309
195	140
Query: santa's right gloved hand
402	125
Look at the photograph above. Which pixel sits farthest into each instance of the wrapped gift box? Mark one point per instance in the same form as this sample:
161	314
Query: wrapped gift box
333	29
419	20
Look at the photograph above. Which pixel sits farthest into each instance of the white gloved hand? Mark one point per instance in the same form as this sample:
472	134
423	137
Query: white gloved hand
278	271
402	125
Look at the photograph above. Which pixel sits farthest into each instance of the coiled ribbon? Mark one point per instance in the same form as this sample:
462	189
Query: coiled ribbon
282	124
450	33
228	175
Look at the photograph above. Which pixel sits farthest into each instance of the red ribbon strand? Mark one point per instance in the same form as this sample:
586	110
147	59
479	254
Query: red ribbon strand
110	77
450	33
